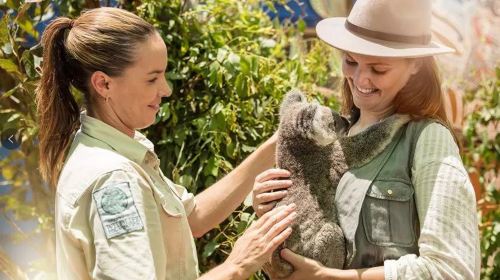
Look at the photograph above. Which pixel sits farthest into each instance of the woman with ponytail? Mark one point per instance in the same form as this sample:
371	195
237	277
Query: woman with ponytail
117	215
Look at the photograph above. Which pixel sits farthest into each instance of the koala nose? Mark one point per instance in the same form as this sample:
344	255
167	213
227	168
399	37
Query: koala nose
340	123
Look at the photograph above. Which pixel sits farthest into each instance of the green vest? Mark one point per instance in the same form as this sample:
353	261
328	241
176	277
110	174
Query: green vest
376	204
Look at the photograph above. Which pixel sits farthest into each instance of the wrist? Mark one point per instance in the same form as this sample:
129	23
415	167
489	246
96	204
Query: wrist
325	273
333	274
234	271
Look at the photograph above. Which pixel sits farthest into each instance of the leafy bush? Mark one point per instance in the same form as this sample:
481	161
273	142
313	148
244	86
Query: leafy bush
26	196
481	156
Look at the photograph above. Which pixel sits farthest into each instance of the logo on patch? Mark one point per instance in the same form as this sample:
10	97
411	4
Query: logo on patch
114	201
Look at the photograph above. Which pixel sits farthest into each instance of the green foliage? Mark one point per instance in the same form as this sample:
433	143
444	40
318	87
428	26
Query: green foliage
18	77
482	155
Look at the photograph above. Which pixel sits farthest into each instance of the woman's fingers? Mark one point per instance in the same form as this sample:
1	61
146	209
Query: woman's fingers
276	216
266	217
259	241
268	189
270	185
281	226
280	238
270	196
291	257
272	174
263	208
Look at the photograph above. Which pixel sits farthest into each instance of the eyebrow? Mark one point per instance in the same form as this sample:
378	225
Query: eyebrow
371	64
156	72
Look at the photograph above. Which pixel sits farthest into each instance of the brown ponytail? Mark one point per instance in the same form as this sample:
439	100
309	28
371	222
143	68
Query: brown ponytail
102	39
57	109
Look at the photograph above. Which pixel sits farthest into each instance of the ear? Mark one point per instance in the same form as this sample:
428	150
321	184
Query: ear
415	65
100	82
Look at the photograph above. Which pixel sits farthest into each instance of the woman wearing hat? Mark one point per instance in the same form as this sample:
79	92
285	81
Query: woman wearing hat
117	216
411	212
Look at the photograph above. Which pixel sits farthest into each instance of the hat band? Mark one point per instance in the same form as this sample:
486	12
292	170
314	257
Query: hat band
423	39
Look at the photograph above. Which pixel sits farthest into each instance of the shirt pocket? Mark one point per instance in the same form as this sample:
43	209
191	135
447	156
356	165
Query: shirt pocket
388	214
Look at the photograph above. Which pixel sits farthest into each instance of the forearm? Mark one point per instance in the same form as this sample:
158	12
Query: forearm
230	191
373	273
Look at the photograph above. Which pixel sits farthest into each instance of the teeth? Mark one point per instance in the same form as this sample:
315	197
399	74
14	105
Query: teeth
366	90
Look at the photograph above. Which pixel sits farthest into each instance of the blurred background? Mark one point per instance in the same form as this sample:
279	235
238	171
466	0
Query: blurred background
230	63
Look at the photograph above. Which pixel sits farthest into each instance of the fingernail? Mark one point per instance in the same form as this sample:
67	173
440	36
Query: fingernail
292	206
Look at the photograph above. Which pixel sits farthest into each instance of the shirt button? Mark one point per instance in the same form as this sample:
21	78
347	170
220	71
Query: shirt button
389	192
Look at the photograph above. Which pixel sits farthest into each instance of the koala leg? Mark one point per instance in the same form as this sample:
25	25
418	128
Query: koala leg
329	246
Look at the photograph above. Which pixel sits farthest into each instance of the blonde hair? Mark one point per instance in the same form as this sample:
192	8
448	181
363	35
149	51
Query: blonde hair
102	39
421	97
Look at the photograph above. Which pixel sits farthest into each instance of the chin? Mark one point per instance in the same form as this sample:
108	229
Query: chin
146	124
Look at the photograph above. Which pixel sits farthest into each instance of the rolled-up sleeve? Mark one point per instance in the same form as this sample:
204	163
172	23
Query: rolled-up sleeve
446	205
187	198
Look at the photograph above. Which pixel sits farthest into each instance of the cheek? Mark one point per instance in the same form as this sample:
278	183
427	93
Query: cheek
347	70
391	83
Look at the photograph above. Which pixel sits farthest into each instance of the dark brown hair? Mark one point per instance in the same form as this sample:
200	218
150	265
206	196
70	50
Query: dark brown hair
102	39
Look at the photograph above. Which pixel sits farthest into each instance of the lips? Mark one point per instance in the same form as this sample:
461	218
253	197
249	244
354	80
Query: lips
366	90
154	107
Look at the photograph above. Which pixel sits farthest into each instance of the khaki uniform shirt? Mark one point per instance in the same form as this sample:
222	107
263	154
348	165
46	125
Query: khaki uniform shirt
117	215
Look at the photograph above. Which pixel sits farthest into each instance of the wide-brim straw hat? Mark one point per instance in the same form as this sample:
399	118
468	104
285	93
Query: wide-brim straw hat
386	28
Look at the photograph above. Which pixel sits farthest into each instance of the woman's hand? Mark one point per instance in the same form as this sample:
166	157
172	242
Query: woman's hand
304	268
259	241
269	187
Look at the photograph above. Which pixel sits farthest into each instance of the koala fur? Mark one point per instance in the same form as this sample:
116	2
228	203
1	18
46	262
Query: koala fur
312	145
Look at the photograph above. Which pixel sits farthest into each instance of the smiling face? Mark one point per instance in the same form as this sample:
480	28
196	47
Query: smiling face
136	94
374	82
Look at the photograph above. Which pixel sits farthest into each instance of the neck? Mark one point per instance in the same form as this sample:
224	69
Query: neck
367	119
112	120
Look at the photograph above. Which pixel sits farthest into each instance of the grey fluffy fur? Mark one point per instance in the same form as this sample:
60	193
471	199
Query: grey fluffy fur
312	145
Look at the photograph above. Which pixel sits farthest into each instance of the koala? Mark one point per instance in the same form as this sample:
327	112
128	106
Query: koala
313	146
308	147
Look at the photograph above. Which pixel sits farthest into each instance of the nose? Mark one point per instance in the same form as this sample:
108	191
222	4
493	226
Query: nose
165	90
361	77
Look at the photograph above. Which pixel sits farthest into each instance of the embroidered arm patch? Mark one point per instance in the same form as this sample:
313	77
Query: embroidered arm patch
117	210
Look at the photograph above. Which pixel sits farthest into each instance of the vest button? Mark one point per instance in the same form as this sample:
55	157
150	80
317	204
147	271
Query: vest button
389	192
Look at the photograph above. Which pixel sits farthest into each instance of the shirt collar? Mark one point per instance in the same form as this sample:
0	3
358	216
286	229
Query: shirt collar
134	149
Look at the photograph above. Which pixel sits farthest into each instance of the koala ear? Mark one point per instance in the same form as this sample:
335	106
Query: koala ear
292	97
